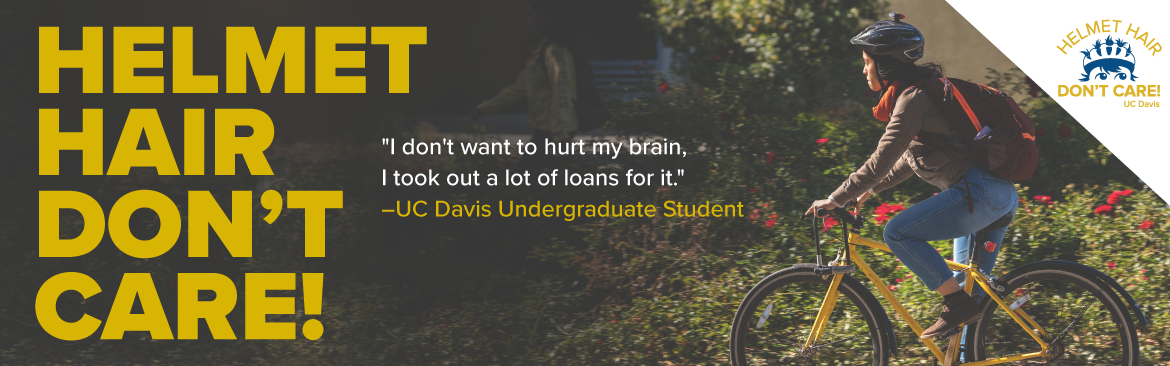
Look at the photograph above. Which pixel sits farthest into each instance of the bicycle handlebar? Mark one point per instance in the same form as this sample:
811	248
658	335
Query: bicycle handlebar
846	216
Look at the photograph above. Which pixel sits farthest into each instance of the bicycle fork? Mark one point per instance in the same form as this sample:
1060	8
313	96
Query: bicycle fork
823	315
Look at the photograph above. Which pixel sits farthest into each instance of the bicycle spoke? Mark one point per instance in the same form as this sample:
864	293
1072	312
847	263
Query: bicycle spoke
1070	325
836	341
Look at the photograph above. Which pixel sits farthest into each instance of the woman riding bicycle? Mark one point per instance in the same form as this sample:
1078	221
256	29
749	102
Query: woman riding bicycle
972	198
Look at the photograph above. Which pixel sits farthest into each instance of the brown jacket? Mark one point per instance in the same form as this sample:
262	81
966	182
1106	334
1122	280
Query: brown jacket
898	154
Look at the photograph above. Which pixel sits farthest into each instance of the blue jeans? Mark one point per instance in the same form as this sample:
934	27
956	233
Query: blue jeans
948	215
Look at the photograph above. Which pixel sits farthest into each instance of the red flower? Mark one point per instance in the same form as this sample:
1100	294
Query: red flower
752	190
1115	197
868	93
886	208
769	223
753	217
898	280
637	67
1041	131
765	205
771	157
829	223
1020	292
1104	210
1042	198
664	87
1111	265
772	216
1064	131
893	287
718	58
1146	225
821	141
881	219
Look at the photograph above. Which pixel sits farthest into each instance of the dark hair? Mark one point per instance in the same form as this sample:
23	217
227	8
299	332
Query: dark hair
558	23
890	69
1108	65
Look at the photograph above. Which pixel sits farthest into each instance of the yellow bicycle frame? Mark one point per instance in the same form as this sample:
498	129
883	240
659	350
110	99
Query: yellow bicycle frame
1022	318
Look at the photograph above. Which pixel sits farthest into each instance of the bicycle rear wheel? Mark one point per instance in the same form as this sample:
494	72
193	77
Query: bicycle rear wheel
1079	311
773	321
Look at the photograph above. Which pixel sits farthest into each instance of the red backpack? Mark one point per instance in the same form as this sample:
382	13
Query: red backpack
1002	138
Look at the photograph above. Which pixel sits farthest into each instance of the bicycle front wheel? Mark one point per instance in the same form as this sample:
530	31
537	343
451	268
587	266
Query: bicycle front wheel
1084	320
774	320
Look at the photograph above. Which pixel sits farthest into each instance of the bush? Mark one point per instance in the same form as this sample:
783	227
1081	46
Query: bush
800	46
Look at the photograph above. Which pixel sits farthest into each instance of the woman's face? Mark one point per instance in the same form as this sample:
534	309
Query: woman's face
533	22
871	73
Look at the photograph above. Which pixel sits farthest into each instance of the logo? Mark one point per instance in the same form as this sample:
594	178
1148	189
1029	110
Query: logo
1108	65
1111	60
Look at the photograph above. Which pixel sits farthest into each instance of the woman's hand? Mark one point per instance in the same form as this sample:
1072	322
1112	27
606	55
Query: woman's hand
861	200
825	204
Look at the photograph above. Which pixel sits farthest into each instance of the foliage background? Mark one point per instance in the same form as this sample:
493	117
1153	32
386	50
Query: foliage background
766	80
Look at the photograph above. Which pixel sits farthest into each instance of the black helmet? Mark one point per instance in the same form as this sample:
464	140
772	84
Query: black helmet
892	38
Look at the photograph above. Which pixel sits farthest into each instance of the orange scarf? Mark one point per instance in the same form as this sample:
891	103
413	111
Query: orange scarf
885	107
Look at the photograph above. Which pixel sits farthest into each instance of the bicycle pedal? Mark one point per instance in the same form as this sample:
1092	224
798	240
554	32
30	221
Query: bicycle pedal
831	270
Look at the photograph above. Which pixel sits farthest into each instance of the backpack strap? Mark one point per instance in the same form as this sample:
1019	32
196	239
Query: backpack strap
963	102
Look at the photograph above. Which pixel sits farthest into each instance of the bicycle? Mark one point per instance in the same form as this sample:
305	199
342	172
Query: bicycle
1049	311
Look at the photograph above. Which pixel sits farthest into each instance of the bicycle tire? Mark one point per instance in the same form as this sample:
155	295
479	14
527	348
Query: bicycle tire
1100	330
801	293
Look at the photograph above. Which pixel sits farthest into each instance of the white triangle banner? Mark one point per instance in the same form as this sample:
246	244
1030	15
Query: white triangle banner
1106	62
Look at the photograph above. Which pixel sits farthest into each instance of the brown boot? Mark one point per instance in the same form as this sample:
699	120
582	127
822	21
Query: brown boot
959	308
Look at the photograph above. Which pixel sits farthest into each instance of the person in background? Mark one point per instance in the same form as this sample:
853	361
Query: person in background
547	81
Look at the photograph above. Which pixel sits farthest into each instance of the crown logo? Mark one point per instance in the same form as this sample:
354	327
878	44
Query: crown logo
1112	59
